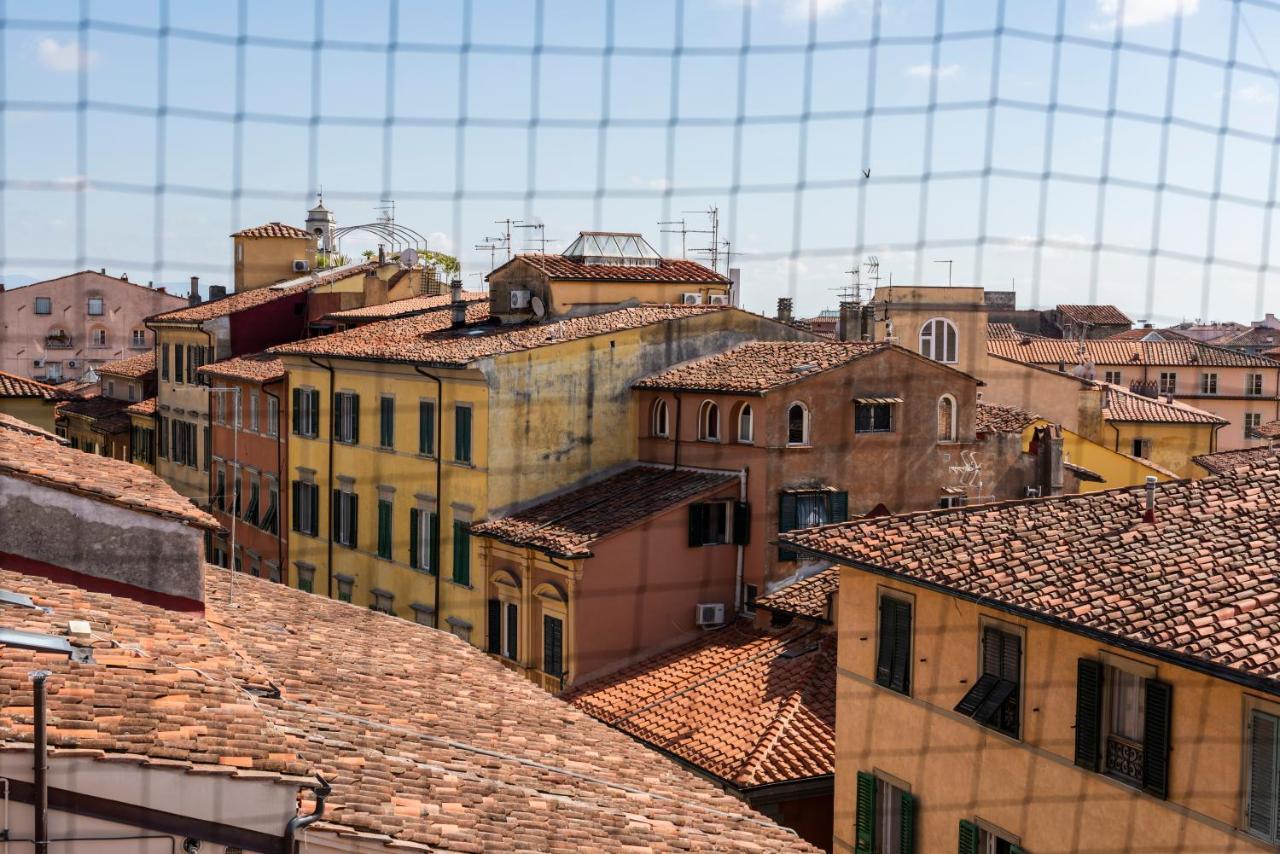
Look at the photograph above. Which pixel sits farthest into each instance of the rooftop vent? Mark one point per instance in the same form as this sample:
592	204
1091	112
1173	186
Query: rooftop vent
612	248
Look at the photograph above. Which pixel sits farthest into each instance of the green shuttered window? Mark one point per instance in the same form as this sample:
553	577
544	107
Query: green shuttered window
461	554
462	434
893	655
884	814
427	428
384	529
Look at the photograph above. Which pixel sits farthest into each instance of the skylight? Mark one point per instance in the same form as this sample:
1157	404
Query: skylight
615	248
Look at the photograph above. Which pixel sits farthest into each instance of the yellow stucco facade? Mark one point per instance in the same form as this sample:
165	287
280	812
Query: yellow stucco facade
1171	446
1027	788
915	316
33	410
179	398
262	261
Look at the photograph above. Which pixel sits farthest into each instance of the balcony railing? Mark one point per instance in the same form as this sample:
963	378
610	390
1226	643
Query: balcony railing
57	342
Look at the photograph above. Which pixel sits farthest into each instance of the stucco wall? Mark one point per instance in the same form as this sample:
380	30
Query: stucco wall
32	410
262	261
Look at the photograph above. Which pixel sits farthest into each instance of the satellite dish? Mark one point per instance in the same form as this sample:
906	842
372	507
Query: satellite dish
409	257
538	308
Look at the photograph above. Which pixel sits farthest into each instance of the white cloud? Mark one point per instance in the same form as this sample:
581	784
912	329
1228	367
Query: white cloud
1255	93
1137	13
940	71
438	241
813	8
64	56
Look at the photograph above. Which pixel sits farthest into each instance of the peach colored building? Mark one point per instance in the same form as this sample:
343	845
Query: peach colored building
59	328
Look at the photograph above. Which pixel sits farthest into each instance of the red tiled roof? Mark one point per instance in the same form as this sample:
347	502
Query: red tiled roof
429	743
404	307
569	524
1270	430
135	367
1002	332
427	338
106	414
1258	336
1096	315
809	597
1197	585
142	407
668	270
1224	462
273	229
117	482
759	366
258	296
12	385
737	703
1117	352
258	368
1121	404
998	418
9	422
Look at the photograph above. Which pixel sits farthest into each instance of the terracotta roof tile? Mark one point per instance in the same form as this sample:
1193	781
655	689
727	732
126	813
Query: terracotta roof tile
107	414
404	307
258	368
758	366
1121	404
243	300
1119	352
809	597
272	229
101	478
667	270
1097	315
569	524
9	422
1002	332
1092	561
12	385
427	338
1225	462
738	703
427	741
135	367
1270	430
998	418
142	407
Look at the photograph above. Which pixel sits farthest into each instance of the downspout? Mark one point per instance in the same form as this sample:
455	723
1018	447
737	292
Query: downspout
213	355
439	449
738	599
329	491
301	822
281	517
41	763
675	461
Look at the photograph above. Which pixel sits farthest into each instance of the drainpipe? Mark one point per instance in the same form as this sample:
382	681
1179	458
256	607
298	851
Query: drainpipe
675	462
329	492
213	357
281	517
737	587
439	449
41	763
301	822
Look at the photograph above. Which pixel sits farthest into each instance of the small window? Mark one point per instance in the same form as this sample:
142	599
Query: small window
270	518
797	424
893	654
382	601
346	418
255	494
807	509
273	416
427	428
1125	718
1112	377
946	418
709	422
1253	385
306	412
660	425
995	698
384	528
1208	383
461	553
1168	382
709	523
138	338
306	578
938	340
746	427
1252	421
873	418
345	518
980	838
885	816
1142	448
96	306
306	508
98	338
504	628
44	305
552	645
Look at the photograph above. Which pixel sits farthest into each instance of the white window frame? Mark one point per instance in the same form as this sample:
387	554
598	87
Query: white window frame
704	421
1114	377
1252	421
930	346
1209	383
253	411
804	425
1168	382
273	416
660	419
746	415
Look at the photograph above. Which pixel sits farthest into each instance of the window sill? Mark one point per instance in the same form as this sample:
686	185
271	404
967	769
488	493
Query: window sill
459	584
428	457
462	465
803	446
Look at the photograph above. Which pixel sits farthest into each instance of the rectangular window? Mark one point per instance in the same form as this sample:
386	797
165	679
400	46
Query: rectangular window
893	655
552	645
1142	448
873	418
462	434
1168	382
884	817
978	838
461	554
345	518
306	578
207	457
1252	421
305	508
423	533
219	497
427	428
1263	803
255	493
384	529
806	509
162	424
994	699
179	362
306	412
96	306
1123	716
1112	377
273	416
1208	383
253	411
139	338
44	305
1253	384
346	418
386	421
270	518
709	523
164	362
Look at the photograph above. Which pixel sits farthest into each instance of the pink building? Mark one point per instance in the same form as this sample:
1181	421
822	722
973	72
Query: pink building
59	328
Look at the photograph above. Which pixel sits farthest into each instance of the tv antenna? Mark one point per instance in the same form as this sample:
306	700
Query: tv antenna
712	251
541	239
492	245
683	231
506	234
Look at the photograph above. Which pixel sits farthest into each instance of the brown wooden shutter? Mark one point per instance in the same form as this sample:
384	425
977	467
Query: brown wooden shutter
1088	712
1155	738
1264	730
697	524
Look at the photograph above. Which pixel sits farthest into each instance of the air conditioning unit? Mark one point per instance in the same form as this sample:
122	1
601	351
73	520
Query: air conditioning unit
710	614
37	363
73	364
301	266
691	299
1032	492
718	299
520	299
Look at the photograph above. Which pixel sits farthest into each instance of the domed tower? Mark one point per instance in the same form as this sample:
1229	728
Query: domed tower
321	224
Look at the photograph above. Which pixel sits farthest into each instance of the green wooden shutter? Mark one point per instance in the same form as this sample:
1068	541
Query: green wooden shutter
968	838
353	521
462	434
884	643
294	505
786	521
901	680
864	825
461	554
494	639
386	422
907	828
741	523
354	403
313	427
334	515
415	544
427	428
297	410
384	529
1155	738
1088	712
697	523
1264	730
839	507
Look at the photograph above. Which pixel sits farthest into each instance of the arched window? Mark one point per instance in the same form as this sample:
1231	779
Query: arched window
660	426
797	424
746	424
938	340
709	422
946	418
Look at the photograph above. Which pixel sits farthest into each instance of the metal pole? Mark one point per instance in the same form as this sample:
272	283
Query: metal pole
41	762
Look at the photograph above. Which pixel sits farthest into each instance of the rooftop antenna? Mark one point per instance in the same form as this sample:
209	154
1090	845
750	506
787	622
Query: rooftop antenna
948	262
492	245
683	231
713	251
506	234
541	239
387	214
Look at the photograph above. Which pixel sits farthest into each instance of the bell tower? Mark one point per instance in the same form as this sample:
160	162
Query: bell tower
321	224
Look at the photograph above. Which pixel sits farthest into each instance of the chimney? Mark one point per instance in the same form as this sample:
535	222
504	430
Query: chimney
193	298
217	292
124	277
456	303
375	289
846	326
103	271
1	287
1150	514
784	309
382	255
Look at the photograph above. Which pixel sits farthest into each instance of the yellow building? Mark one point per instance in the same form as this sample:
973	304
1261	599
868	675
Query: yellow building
142	427
946	324
1082	673
440	427
271	253
28	400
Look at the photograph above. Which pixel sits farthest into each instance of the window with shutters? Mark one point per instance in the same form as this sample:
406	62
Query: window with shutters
1123	716
979	837
995	698
345	585
1252	421
1141	448
503	628
345	517
306	412
804	509
461	554
1262	805
384	528
346	418
179	362
382	601
270	517
894	641
710	523
552	645
423	533
427	428
462	434
305	507
386	421
884	819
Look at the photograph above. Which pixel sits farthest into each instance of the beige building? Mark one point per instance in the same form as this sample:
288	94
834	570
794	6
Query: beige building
1085	673
948	325
271	253
57	329
31	401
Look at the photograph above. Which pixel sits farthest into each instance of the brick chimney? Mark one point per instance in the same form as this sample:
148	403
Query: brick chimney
784	309
847	325
193	297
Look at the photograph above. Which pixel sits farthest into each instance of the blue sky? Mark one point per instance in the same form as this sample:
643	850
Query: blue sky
587	114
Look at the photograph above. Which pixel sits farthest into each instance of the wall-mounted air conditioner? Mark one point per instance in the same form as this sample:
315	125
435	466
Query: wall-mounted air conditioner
691	299
38	363
520	299
710	614
718	299
301	266
73	364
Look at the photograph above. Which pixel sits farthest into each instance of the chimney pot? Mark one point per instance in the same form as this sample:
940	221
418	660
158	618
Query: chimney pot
193	298
784	309
1150	514
458	307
